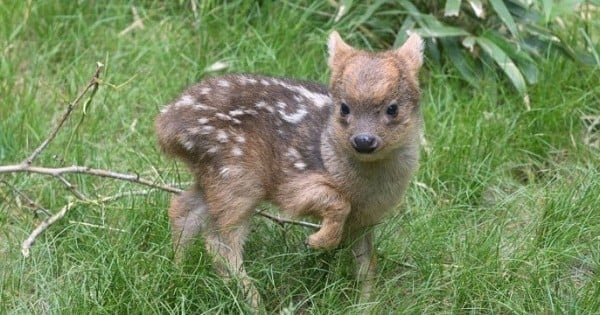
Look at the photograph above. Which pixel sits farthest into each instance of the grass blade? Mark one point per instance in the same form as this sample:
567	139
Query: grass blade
401	35
547	9
590	44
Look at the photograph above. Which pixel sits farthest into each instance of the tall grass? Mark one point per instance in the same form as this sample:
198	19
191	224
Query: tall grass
503	217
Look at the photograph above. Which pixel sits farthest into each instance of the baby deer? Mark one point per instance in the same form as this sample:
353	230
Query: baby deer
344	154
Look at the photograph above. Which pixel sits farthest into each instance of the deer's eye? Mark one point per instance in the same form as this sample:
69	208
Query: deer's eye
392	110
344	109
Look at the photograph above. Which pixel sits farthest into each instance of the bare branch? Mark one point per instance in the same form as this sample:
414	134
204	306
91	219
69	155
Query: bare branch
30	201
97	226
59	171
283	221
72	188
93	84
63	211
42	227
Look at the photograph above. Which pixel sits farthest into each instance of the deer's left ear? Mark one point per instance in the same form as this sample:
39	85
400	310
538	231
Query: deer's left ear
412	52
338	49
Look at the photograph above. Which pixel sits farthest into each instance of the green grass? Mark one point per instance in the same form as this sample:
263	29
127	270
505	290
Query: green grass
506	219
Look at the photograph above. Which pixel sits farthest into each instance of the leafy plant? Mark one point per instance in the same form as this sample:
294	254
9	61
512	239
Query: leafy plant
477	37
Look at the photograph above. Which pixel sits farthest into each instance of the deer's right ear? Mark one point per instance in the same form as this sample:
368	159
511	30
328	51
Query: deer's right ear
412	51
338	49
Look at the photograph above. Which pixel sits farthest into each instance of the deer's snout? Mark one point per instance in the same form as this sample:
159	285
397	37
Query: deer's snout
364	143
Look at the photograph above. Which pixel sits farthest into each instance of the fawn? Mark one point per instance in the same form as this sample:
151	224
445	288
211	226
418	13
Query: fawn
344	154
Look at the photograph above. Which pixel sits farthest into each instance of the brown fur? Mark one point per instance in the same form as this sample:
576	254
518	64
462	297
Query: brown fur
249	138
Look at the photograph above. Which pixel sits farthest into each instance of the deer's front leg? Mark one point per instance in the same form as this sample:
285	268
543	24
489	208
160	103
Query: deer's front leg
315	195
366	263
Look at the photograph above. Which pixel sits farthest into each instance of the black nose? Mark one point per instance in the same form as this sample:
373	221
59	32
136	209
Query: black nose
364	143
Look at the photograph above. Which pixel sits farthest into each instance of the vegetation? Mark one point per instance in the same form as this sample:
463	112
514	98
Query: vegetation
502	218
477	38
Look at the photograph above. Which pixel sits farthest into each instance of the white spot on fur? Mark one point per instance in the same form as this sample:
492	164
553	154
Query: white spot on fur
223	83
200	106
246	80
206	129
223	117
293	118
203	120
187	144
205	90
240	139
194	130
222	136
251	112
318	99
213	149
237	112
281	105
261	104
300	165
293	153
280	82
265	106
224	172
185	100
236	121
236	151
265	82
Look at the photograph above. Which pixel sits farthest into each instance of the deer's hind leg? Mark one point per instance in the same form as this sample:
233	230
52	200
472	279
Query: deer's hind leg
188	215
231	202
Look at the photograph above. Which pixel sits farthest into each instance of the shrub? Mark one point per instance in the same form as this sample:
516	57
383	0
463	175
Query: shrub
479	36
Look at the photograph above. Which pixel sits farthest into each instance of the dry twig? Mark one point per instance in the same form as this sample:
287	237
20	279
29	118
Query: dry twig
28	199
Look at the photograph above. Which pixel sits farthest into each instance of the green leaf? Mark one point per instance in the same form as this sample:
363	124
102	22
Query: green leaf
431	27
452	7
446	31
526	65
504	62
505	16
457	56
523	14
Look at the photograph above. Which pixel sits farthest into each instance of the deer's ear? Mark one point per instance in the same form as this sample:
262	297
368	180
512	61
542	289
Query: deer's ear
412	52
338	49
